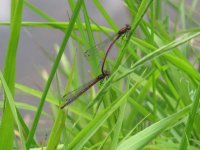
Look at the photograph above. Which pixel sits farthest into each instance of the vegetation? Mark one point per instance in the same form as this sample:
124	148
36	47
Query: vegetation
150	100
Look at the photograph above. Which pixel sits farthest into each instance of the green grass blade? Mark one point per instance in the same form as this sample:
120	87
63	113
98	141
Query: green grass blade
139	140
161	51
189	125
105	15
141	11
7	122
38	11
59	124
98	121
55	65
36	93
14	114
183	65
93	60
57	130
118	127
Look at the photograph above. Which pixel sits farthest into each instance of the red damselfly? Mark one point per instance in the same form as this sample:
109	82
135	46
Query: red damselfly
112	40
122	31
75	94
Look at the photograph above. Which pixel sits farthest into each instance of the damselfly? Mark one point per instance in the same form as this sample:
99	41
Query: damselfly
122	32
74	95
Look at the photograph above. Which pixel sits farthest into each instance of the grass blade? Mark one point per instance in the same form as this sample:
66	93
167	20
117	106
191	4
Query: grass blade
189	125
13	111
98	121
55	65
139	140
7	123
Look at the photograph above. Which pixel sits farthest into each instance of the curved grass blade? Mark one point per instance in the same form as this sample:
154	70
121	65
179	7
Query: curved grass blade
13	111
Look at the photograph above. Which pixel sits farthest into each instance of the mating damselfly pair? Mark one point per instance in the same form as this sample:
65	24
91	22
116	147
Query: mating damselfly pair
104	73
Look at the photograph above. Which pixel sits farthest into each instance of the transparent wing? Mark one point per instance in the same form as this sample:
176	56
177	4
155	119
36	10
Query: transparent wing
75	92
99	46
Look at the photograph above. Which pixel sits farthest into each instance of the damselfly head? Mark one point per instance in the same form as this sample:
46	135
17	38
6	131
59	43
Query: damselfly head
124	30
106	73
128	27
